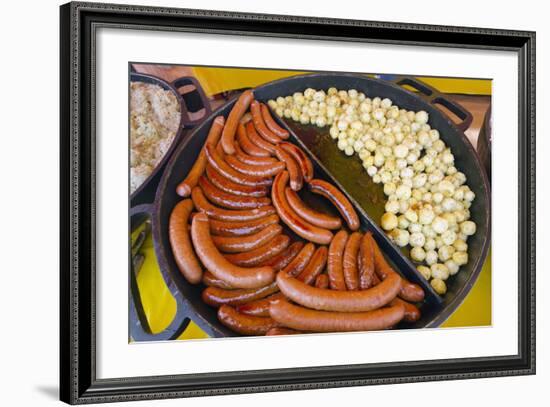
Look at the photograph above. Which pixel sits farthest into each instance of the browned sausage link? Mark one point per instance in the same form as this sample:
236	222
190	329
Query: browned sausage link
261	254
282	260
301	158
315	266
248	146
211	280
184	188
303	319
245	324
271	123
178	231
256	139
246	228
260	170
259	308
230	201
409	291
282	331
240	244
252	159
218	265
349	261
291	219
233	188
412	313
338	199
216	297
322	281
296	176
260	125
239	109
299	263
202	204
334	264
334	300
366	272
218	164
316	218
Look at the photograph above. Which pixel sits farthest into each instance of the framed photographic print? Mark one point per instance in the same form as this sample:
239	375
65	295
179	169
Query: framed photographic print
241	191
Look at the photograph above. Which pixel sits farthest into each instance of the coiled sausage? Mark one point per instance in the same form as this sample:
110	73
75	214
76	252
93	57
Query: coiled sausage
214	261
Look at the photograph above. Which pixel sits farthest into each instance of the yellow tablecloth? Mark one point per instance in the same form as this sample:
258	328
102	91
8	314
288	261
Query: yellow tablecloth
160	306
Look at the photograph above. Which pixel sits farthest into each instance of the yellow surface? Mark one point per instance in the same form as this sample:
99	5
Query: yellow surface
159	305
217	80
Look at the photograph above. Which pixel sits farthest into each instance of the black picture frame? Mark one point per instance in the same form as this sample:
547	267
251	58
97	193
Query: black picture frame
78	381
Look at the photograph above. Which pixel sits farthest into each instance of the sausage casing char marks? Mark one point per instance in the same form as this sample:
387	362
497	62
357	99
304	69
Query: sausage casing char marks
261	254
243	228
315	266
366	253
349	261
219	164
233	188
334	264
245	324
338	199
216	296
228	200
202	204
237	244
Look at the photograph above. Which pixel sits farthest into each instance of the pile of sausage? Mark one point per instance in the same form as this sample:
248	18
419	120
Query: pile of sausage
244	183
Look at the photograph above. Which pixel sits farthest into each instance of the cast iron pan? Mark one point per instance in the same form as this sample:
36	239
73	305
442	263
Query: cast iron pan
348	178
193	101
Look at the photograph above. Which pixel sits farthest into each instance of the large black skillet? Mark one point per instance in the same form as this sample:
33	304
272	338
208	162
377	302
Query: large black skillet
435	310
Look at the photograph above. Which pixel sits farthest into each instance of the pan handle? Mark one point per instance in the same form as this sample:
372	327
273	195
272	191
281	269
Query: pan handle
194	100
139	329
434	97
